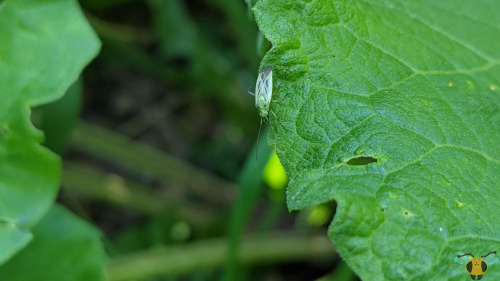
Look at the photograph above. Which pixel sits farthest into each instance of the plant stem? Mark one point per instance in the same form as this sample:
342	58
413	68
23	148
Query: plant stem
206	254
117	190
177	174
250	187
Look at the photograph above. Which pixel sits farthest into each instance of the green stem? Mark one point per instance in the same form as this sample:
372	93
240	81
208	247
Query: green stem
206	254
244	27
341	273
250	187
119	32
117	190
179	176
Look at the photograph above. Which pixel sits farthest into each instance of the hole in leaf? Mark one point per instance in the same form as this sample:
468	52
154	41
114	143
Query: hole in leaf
362	160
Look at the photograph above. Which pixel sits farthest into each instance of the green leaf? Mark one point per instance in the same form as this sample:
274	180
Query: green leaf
64	248
58	118
44	46
412	85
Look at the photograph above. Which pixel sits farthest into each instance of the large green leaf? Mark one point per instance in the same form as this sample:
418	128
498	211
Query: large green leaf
414	85
64	248
43	47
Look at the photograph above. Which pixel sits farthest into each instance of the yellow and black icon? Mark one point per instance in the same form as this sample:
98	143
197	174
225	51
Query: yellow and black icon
476	266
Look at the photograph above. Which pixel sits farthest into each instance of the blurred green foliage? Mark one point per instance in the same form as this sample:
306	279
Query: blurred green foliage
64	247
157	140
35	36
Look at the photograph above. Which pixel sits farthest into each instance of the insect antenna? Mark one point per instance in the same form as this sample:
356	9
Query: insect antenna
257	144
466	255
489	254
280	100
281	83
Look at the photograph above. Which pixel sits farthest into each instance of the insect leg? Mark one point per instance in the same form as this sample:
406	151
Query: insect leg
280	100
277	119
248	91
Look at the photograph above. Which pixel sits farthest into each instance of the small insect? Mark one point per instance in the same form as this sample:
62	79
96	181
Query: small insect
264	94
476	266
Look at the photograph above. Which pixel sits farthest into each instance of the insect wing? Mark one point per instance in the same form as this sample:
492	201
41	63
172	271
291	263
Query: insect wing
462	259
264	86
491	259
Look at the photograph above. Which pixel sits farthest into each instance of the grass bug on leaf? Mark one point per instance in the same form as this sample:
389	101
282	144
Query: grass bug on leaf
264	96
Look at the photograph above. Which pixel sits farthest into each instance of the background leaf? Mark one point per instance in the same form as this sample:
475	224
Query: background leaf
64	248
58	119
414	85
44	46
